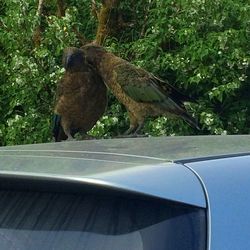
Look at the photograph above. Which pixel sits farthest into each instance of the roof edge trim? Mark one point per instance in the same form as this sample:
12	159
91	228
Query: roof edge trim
212	157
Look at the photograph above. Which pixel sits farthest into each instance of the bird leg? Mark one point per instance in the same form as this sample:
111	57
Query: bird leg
131	129
135	129
133	124
70	137
137	132
139	128
66	128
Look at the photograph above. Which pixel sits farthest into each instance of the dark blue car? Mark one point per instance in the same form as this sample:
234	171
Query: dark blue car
164	193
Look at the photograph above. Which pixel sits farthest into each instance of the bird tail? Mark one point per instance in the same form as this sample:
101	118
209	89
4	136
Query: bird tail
56	129
190	120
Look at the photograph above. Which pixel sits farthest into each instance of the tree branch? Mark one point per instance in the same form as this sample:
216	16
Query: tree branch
40	7
94	10
37	35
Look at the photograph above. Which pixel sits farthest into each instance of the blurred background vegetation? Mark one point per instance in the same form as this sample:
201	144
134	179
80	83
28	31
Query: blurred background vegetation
202	47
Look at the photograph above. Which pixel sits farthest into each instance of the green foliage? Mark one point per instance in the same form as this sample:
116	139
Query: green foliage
201	47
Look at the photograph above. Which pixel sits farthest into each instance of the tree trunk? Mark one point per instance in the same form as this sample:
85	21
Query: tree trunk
107	19
60	8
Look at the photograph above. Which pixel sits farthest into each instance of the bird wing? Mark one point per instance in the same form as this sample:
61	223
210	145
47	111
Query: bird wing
137	84
142	86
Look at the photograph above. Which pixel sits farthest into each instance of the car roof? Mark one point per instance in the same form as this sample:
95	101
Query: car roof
149	166
143	150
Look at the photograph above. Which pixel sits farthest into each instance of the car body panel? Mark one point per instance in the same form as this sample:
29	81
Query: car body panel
228	188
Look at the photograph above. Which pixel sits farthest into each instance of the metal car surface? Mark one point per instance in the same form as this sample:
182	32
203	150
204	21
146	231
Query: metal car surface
209	172
227	186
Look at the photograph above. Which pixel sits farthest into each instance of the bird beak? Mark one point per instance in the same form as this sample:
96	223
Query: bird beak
67	61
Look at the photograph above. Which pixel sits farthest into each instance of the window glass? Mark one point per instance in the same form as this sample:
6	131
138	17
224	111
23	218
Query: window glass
36	220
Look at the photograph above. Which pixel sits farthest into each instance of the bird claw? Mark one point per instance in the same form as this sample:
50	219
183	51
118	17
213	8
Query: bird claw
88	137
71	139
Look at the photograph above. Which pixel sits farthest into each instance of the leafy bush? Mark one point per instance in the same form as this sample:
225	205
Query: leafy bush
200	47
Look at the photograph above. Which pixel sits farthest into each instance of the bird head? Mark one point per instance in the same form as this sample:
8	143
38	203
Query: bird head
93	53
74	59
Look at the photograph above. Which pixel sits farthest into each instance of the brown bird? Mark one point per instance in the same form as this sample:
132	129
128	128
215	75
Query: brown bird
142	93
81	97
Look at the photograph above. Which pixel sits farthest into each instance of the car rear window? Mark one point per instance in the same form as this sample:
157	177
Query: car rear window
40	220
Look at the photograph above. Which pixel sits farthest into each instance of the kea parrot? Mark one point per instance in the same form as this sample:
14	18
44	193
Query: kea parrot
81	97
143	94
